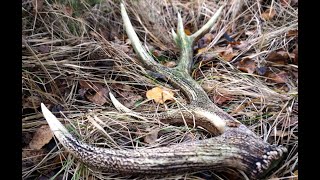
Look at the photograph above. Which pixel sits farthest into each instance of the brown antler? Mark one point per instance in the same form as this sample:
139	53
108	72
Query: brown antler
234	145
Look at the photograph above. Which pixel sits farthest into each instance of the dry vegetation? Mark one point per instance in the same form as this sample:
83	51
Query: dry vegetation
75	52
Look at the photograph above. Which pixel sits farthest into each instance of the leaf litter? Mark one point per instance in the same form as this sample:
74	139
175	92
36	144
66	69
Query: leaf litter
160	95
41	137
69	73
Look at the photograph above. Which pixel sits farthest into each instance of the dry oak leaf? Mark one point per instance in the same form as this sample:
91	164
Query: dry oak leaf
99	97
279	57
247	65
291	33
86	84
268	14
226	53
280	77
242	45
160	95
41	137
220	99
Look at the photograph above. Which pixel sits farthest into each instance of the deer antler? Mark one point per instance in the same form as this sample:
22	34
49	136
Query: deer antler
234	145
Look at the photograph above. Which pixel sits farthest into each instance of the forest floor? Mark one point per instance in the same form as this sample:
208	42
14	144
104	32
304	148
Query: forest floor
75	52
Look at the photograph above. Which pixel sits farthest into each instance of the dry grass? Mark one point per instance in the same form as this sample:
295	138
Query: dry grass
62	47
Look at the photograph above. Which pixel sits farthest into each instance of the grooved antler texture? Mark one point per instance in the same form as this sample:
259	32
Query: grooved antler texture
235	146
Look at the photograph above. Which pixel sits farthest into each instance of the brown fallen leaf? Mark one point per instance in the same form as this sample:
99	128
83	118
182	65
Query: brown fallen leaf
157	53
99	97
205	40
228	55
100	92
86	84
187	31
279	57
280	77
160	95
41	137
247	65
268	14
151	137
291	33
220	99
295	52
242	45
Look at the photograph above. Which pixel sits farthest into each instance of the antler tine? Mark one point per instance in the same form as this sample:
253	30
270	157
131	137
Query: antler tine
208	25
185	42
145	58
180	28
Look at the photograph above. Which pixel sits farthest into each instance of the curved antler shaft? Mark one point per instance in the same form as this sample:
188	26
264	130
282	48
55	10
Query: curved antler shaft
234	149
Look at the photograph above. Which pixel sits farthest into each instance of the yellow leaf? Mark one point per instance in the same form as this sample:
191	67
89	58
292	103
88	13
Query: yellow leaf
296	175
160	95
187	31
201	50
